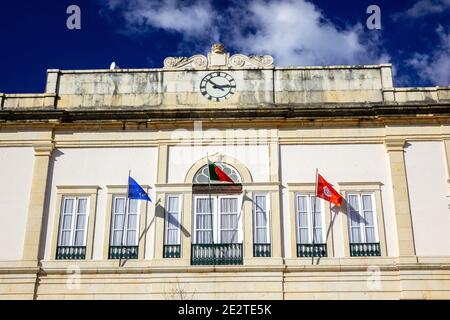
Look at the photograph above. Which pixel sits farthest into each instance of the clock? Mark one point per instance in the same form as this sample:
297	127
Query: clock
217	86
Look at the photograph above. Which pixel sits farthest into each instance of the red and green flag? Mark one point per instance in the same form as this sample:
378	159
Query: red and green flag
217	174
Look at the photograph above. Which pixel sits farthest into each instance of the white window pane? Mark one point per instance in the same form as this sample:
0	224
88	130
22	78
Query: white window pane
229	221
68	205
370	235
315	204
317	219
203	205
131	238
261	219
229	236
367	202
172	205
79	238
355	235
118	221
172	236
81	221
119	205
303	219
204	221
117	238
318	235
204	237
132	221
65	238
261	235
228	205
303	234
82	206
67	221
133	203
368	218
172	220
260	203
302	204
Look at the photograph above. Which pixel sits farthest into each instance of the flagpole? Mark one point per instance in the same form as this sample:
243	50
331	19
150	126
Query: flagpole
210	200
314	217
124	218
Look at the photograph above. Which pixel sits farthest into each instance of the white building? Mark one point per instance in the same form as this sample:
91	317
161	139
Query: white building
65	157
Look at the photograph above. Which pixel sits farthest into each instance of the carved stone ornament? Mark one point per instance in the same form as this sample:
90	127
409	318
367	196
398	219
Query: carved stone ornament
218	57
197	61
252	61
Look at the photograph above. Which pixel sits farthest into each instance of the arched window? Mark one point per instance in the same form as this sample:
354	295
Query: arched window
202	175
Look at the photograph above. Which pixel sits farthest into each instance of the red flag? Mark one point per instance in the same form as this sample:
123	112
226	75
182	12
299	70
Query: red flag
327	192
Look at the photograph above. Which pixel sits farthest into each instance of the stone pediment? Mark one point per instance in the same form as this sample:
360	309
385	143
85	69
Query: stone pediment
219	58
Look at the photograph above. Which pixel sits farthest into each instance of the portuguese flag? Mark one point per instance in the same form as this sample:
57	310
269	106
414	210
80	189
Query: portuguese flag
217	174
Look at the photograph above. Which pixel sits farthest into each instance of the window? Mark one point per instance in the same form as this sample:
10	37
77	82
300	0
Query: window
217	230
172	241
73	228
222	224
307	220
261	236
202	175
364	240
124	228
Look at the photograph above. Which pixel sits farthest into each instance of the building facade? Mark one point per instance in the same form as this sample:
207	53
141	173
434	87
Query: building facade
67	230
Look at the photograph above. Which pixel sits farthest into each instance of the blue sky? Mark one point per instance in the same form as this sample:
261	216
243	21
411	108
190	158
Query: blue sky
414	35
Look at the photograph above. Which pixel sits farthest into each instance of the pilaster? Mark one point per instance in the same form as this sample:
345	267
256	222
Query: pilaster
405	234
42	153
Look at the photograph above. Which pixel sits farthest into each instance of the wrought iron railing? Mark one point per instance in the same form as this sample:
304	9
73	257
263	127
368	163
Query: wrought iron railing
172	251
261	250
307	249
217	254
70	253
365	249
123	252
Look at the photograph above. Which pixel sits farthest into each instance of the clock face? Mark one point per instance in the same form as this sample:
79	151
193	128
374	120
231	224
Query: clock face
218	86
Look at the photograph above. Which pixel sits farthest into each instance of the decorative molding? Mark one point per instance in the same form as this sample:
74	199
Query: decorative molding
397	144
218	57
196	61
251	61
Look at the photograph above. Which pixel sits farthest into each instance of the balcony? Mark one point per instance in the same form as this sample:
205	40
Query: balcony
306	250
71	253
125	252
261	250
217	254
365	249
172	251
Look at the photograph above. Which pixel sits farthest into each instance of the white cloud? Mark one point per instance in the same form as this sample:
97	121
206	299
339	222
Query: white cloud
295	32
192	19
435	66
424	8
298	33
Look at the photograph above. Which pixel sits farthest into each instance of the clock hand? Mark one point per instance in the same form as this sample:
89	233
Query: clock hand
216	86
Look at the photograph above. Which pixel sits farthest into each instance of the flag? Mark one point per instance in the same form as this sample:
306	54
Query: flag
217	174
135	191
327	192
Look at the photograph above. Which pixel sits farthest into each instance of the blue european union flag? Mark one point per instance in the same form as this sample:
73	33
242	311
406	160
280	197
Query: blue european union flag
135	191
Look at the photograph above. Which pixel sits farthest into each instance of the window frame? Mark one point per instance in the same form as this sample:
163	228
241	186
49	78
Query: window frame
216	215
362	225
267	212
166	224
73	223
125	221
309	213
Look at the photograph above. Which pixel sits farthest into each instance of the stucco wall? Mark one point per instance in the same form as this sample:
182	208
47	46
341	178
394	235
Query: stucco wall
254	157
429	197
16	169
100	167
339	163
